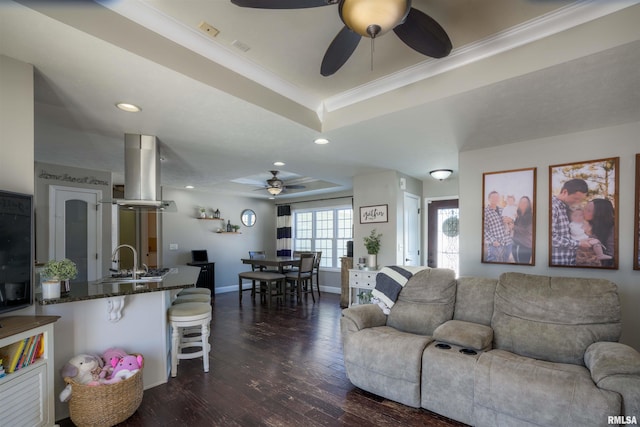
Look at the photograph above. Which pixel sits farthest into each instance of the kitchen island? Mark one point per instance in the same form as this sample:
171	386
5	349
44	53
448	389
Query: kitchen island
95	316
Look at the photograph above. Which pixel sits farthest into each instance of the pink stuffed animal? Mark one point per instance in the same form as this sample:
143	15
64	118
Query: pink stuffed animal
124	368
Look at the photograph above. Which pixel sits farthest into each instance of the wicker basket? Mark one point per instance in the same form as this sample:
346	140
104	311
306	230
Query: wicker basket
105	405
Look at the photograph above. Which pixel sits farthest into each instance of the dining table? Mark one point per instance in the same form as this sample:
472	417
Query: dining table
280	262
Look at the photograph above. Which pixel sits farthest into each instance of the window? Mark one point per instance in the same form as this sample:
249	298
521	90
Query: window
326	230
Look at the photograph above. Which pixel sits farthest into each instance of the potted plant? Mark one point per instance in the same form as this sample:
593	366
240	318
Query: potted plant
372	244
55	272
203	212
235	228
364	297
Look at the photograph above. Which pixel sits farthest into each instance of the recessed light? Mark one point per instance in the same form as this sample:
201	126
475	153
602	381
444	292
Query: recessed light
321	141
130	108
189	187
278	163
272	198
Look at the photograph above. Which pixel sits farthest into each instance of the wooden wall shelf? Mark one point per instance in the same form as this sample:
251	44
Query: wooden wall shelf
212	219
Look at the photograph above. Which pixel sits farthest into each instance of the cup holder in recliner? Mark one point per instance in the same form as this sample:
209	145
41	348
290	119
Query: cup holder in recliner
468	351
443	346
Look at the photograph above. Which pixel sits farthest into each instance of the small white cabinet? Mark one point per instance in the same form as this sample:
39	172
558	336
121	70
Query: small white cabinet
26	395
360	279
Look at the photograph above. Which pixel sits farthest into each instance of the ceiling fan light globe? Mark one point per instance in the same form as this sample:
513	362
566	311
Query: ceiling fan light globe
274	191
363	15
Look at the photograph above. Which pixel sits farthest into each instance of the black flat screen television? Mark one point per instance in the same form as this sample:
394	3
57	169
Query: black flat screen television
16	251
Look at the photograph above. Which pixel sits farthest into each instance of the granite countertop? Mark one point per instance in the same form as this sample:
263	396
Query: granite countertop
177	278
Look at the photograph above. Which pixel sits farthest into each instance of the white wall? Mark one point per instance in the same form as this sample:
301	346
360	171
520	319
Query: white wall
226	250
380	188
16	132
620	141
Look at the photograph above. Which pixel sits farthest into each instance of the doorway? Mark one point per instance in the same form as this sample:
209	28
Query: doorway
75	229
411	232
443	246
139	229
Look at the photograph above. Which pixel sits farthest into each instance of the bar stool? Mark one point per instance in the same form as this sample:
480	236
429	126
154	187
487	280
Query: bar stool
197	291
181	317
192	298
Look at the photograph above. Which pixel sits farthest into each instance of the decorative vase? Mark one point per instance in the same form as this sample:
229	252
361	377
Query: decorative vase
372	261
203	214
51	289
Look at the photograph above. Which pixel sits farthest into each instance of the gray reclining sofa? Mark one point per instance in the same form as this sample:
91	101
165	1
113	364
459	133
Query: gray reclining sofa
522	350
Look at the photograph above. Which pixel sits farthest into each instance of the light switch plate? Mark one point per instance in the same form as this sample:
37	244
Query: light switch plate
173	246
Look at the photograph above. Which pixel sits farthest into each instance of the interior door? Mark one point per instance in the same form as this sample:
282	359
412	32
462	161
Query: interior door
443	234
75	229
411	238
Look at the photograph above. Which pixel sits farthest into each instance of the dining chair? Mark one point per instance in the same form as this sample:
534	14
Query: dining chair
301	279
316	270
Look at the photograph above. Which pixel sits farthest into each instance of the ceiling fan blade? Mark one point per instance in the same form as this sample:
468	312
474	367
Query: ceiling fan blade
282	4
339	51
295	187
423	34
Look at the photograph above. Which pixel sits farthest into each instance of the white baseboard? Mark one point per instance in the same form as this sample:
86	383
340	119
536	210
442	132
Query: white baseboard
234	288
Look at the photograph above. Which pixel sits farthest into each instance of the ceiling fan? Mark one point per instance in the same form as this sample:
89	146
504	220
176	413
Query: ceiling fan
276	186
370	18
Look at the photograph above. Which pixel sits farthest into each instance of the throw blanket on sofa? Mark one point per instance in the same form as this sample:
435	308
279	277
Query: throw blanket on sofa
389	283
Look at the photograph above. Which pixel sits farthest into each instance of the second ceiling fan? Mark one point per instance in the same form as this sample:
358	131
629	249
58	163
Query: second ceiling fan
370	18
276	186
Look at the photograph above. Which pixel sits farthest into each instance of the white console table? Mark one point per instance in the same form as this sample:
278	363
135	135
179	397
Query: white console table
361	279
26	395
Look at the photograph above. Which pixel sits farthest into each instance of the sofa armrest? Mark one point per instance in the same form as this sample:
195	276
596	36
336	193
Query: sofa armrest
465	334
363	316
616	367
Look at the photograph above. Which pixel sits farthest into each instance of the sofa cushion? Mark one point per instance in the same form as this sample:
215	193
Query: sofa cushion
474	299
508	386
386	362
464	334
554	318
425	302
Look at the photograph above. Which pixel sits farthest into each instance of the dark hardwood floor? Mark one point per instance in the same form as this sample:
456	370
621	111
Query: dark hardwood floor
277	367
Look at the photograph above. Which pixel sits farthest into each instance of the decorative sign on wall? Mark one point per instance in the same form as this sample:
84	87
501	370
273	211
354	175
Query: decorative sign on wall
65	177
371	214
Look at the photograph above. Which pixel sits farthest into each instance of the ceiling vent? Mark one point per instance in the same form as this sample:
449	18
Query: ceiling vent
208	29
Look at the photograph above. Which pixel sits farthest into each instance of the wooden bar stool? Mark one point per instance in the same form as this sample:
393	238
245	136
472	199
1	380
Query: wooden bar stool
184	316
197	291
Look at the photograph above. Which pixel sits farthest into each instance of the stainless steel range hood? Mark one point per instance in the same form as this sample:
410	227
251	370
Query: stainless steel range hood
142	175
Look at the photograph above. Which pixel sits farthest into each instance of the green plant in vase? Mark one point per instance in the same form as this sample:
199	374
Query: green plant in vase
56	275
364	297
372	244
59	270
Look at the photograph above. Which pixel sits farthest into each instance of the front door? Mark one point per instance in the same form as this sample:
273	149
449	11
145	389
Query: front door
75	229
443	240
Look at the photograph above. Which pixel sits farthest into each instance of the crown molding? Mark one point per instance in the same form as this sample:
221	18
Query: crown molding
574	14
567	17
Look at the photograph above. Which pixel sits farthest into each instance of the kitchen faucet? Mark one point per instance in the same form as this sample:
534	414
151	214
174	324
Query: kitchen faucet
134	273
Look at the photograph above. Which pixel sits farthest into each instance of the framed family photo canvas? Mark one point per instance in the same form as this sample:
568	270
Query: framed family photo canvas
509	217
583	214
636	218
